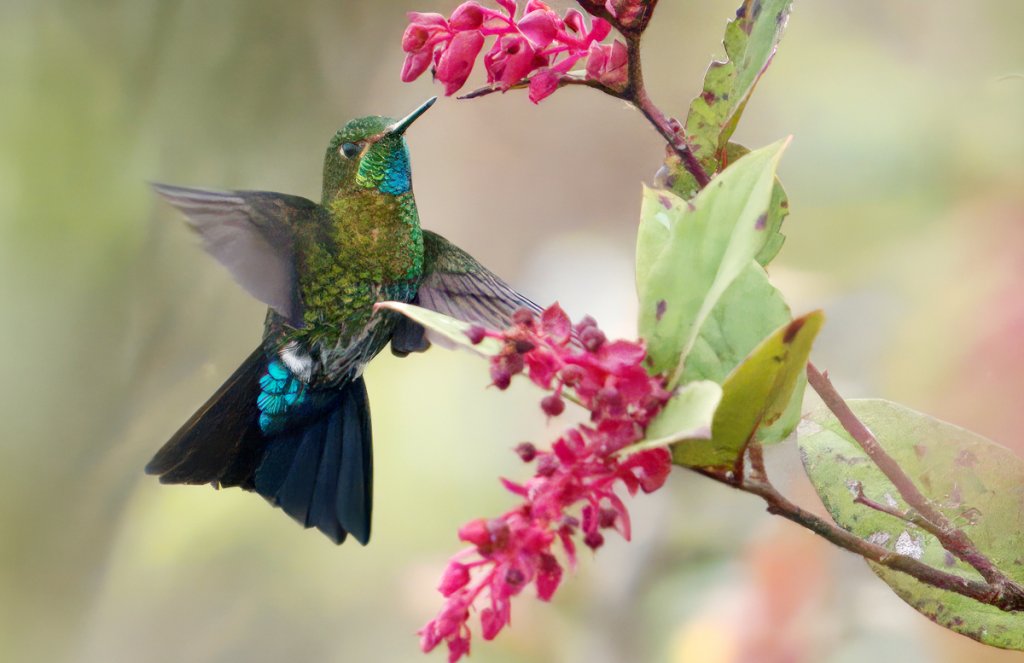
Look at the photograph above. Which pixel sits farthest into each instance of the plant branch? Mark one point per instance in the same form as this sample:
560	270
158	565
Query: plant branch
564	81
597	8
997	590
633	26
909	516
779	505
636	93
952	538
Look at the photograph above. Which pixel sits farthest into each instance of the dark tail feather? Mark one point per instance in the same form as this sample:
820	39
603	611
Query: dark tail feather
321	474
320	471
220	443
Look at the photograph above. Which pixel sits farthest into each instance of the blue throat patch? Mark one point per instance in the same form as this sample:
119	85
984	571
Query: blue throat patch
396	175
387	172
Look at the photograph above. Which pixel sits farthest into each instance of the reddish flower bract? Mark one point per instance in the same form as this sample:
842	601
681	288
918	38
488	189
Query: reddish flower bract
582	470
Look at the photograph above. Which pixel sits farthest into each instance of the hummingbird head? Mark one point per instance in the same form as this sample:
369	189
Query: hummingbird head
370	153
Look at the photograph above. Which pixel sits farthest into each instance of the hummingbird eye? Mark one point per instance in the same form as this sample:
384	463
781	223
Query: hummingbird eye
349	150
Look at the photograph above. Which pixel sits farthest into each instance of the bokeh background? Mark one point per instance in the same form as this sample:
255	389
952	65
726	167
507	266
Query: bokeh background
906	179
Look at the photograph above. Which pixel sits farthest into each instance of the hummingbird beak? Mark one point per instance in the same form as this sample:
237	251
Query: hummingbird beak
403	124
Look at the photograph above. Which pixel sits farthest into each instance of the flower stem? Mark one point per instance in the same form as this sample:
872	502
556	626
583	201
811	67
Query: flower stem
636	93
597	8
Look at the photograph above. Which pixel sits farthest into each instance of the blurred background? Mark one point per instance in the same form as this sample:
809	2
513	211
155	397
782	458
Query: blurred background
906	181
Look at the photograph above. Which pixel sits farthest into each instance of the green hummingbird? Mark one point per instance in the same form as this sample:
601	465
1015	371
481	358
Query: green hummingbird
293	422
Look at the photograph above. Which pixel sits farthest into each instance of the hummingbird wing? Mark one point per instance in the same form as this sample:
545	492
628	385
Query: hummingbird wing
455	284
250	233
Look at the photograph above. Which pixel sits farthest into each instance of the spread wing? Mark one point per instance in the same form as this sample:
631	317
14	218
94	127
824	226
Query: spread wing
455	284
250	233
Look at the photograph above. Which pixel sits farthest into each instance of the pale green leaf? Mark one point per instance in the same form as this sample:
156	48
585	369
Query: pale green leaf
750	310
443	330
750	43
705	244
756	394
778	209
686	416
976	483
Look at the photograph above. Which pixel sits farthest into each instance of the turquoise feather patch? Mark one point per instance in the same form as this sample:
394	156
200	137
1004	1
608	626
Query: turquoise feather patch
280	391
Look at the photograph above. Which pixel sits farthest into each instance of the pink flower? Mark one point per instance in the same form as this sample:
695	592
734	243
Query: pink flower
582	470
543	84
540	26
415	64
632	14
608	64
509	60
456	61
539	48
456	576
422	34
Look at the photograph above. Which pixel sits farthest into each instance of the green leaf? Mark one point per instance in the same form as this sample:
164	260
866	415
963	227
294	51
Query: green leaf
976	483
686	416
689	253
750	43
755	394
443	330
750	310
778	209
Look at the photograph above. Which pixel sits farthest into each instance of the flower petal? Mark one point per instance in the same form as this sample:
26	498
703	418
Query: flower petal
455	577
457	60
539	26
599	29
553	321
510	6
549	575
415	64
427	19
467	16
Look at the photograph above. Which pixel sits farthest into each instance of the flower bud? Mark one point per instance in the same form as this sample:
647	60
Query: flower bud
455	577
475	532
514	363
572	375
476	334
514	577
526	451
594	540
501	377
523	316
552	405
592	338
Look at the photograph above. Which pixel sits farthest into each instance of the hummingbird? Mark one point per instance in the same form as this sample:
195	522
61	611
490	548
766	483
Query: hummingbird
292	423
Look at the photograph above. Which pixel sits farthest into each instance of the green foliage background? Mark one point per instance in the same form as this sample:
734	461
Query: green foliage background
905	182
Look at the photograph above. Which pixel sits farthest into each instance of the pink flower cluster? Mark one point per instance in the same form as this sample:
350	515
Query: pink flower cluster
539	42
510	552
